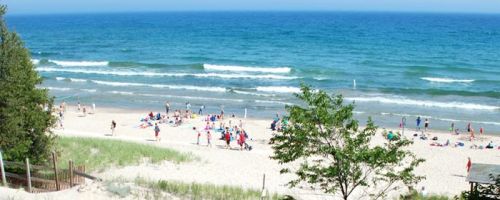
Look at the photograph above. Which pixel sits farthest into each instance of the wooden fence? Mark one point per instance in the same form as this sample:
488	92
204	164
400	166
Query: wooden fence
37	178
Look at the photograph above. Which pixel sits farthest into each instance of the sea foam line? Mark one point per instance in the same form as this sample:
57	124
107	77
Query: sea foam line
198	75
235	68
279	89
175	87
79	63
447	80
404	101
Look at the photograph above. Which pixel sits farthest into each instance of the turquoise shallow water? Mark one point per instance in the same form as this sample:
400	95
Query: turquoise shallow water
445	67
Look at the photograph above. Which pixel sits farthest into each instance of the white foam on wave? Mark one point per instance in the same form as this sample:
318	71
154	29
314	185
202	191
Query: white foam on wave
234	68
253	93
145	73
35	61
58	88
404	101
77	80
121	92
80	63
193	97
272	102
175	87
279	89
447	80
71	79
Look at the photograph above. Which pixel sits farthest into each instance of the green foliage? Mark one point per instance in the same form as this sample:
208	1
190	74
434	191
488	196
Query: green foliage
202	191
334	154
414	195
98	154
483	192
24	124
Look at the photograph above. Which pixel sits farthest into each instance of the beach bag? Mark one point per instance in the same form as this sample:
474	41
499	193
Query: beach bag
435	138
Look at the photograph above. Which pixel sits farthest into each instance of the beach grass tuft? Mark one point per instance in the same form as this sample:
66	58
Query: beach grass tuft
202	191
414	195
99	154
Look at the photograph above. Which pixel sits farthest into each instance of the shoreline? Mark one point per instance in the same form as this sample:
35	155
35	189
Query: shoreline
269	119
234	167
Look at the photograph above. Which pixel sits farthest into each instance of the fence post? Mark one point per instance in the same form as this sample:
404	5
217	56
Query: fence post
55	171
263	195
2	170
28	175
70	173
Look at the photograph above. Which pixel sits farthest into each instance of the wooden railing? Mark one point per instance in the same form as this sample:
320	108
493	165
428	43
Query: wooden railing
37	178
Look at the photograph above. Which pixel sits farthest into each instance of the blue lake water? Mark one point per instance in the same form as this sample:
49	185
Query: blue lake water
445	67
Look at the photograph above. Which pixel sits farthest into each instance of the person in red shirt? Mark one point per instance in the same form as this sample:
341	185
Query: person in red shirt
469	164
242	139
227	136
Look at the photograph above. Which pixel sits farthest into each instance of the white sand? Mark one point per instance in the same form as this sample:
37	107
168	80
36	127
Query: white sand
444	167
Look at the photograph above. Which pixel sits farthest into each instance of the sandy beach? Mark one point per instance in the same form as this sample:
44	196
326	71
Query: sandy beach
444	167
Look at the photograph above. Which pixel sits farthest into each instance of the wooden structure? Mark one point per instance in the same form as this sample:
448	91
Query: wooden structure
482	174
37	178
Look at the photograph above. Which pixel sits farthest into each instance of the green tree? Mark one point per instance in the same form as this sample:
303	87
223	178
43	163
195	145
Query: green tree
24	124
327	150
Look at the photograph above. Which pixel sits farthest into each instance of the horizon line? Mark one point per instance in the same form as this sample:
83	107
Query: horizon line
257	11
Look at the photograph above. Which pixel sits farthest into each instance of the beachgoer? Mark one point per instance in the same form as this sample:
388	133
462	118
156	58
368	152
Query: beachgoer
79	106
241	140
472	136
227	137
188	106
469	127
469	164
198	136
60	120
84	111
113	127
63	105
221	112
426	124
452	128
481	131
157	132
418	122
167	107
209	138
93	108
200	112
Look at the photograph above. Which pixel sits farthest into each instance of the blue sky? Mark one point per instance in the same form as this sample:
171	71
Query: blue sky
83	6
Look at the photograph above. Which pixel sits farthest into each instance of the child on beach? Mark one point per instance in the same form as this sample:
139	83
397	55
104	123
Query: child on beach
426	124
227	137
84	111
198	136
209	137
113	126
469	164
418	123
157	132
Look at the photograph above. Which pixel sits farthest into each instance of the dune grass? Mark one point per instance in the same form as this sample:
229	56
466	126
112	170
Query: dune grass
414	195
99	154
202	191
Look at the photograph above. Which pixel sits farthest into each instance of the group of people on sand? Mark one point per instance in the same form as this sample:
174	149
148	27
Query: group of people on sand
228	132
82	108
279	124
